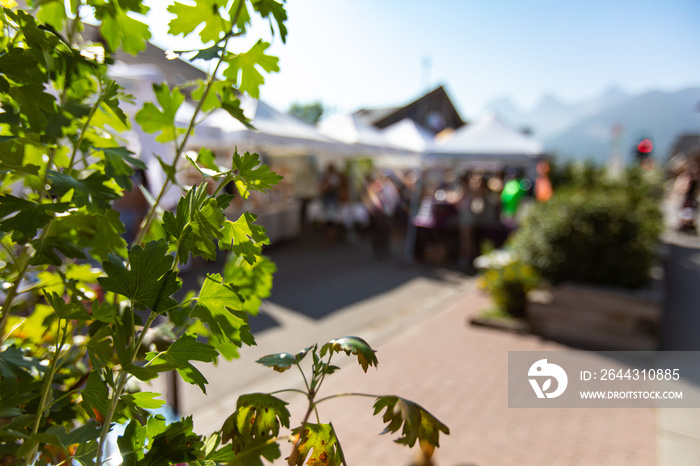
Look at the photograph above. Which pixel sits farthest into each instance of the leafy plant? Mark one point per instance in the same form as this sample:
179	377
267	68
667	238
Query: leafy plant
317	443
509	285
601	230
84	314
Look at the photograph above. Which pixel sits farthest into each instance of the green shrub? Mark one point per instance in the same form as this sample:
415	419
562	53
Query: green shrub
509	285
605	232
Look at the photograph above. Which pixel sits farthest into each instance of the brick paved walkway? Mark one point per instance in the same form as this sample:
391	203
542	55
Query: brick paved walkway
458	373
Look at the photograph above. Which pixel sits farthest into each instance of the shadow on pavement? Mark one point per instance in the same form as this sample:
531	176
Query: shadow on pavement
316	280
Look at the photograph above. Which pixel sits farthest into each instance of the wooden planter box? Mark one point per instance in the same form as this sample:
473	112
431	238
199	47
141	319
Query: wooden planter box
603	319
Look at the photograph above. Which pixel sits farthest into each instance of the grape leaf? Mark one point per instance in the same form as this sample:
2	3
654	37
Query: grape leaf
257	420
116	166
145	400
90	192
177	443
195	224
320	444
189	17
218	305
96	394
45	254
66	311
243	68
118	28
418	424
283	361
57	435
254	281
352	345
29	216
252	173
131	443
149	282
243	237
153	119
178	356
271	9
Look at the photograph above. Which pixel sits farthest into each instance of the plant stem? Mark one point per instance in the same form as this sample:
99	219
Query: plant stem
150	216
339	395
122	379
47	388
121	382
12	293
295	448
84	129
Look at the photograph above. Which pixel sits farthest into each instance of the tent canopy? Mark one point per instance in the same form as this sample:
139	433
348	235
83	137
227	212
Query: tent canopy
273	130
353	131
488	138
408	134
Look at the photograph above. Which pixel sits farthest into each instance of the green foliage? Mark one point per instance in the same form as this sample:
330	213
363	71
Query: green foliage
601	230
85	315
311	113
509	285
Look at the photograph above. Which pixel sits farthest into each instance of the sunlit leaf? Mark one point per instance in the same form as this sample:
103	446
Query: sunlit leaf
415	422
149	281
319	444
352	345
244	68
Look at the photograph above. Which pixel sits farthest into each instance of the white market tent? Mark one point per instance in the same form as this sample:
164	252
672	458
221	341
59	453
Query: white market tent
360	137
409	135
488	141
274	132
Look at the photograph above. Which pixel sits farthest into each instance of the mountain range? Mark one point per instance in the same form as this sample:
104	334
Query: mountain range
585	130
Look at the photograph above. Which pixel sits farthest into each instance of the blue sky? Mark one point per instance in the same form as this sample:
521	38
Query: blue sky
370	53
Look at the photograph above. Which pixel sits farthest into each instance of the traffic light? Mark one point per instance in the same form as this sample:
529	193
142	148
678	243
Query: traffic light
644	148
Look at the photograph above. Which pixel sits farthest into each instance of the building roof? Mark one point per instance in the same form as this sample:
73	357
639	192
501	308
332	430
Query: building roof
433	111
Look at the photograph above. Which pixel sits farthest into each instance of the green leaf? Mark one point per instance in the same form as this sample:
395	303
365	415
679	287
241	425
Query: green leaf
131	443
254	281
352	345
96	394
100	349
100	233
28	216
57	435
153	119
15	363
52	13
45	250
90	192
120	29
116	166
217	306
320	444
66	311
273	11
283	361
243	68
148	282
175	444
145	400
418	424
251	429
253	174
243	237
188	18
178	356
196	224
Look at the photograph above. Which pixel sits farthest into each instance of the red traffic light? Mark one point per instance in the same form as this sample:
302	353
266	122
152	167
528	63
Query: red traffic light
645	146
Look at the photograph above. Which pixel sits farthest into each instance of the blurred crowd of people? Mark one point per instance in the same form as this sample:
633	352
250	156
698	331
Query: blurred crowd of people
440	216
